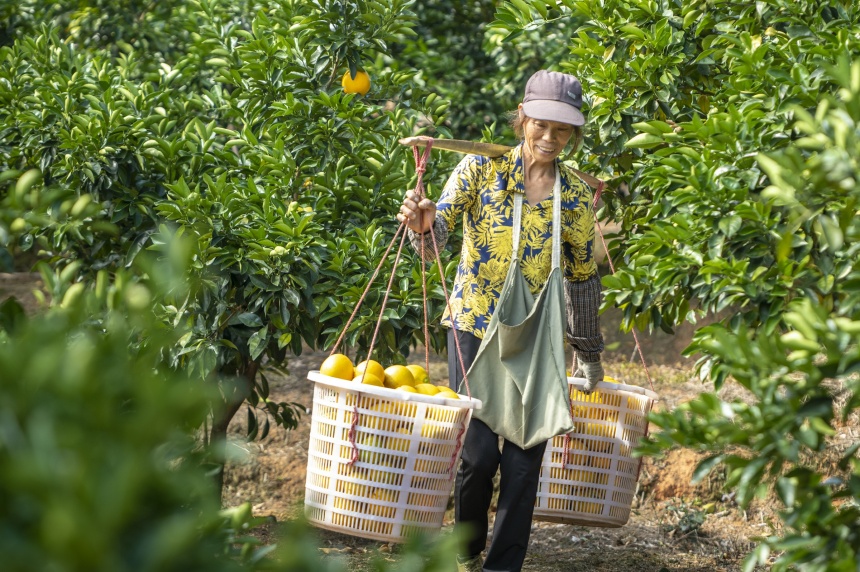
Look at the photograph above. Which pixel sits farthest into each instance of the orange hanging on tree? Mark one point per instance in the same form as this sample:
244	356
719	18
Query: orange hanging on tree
359	84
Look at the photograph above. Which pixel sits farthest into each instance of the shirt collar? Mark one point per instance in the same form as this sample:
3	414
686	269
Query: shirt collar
517	171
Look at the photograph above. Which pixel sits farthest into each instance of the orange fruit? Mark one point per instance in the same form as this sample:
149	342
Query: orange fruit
419	374
370	366
370	379
339	366
397	375
447	392
426	388
359	84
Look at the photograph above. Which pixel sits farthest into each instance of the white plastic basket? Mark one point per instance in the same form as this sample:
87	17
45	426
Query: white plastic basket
595	484
408	448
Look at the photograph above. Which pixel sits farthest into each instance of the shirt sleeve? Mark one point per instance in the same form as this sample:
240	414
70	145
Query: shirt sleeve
423	243
462	189
578	232
582	301
460	192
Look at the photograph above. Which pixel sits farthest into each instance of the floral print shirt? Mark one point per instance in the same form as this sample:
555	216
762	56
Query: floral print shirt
480	194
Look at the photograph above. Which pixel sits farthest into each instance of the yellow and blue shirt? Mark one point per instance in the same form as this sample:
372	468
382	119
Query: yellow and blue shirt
480	194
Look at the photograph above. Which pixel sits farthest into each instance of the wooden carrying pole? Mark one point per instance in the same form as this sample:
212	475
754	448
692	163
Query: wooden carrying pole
485	150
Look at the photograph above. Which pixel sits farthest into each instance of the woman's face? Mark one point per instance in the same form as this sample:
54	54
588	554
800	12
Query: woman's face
545	140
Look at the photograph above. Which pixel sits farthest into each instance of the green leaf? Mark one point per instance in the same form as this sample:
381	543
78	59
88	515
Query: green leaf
284	340
653	127
750	479
730	225
246	319
633	30
706	466
759	555
253	426
821	426
257	342
292	297
796	341
787	487
228	344
644	141
832	233
608	53
12	315
524	8
540	6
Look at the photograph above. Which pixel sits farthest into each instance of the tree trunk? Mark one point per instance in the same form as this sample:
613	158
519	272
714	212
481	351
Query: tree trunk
234	396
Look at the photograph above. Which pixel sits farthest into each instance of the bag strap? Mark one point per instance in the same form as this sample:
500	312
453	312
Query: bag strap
518	210
556	220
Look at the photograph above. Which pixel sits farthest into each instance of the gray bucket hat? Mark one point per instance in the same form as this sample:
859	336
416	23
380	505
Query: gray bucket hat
554	96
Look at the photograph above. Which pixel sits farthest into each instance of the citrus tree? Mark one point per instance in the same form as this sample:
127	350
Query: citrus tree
735	128
100	464
242	138
478	71
452	63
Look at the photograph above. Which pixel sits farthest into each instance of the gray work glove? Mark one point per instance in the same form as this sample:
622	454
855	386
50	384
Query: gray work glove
591	371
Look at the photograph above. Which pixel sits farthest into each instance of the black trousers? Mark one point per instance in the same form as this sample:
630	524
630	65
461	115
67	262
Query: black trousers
473	489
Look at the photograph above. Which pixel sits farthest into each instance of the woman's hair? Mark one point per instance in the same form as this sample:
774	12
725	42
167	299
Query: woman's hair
517	120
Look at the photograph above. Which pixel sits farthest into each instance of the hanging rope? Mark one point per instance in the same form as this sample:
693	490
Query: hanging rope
420	169
363	294
453	463
351	436
599	191
567	439
419	191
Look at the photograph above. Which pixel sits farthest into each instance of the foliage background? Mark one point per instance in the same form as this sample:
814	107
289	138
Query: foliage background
728	133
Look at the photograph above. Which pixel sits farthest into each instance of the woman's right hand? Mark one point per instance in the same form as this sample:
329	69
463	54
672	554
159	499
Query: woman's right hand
418	215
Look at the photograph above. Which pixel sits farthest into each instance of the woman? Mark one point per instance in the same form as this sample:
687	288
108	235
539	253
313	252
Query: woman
482	194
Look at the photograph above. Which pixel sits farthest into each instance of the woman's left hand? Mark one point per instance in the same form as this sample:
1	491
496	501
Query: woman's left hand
591	371
418	214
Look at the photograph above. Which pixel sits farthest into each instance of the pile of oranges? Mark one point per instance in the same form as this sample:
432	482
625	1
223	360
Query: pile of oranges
408	378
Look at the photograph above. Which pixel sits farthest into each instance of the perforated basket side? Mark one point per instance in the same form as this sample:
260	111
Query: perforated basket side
402	479
594	485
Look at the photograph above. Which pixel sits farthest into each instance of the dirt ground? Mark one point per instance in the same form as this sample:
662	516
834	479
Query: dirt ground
20	285
674	526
